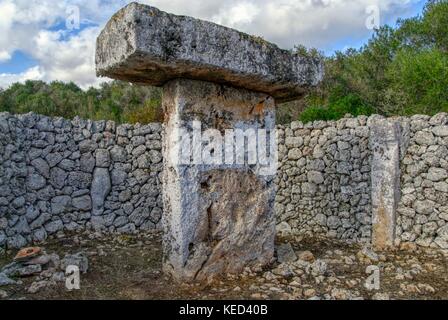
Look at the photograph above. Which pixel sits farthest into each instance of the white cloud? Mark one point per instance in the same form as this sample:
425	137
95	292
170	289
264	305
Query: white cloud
4	56
34	73
68	60
26	25
237	15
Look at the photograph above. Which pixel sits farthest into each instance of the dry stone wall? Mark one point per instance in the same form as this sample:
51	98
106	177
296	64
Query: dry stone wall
60	175
423	209
324	178
325	174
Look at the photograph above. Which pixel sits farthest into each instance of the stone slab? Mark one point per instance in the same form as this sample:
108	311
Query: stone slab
218	218
386	141
142	44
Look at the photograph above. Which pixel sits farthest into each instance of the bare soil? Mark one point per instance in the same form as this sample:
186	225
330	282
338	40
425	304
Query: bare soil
129	267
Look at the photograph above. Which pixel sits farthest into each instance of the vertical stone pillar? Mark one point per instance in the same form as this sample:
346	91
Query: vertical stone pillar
385	141
218	209
218	214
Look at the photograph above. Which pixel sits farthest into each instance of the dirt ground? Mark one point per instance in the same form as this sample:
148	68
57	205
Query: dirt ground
129	267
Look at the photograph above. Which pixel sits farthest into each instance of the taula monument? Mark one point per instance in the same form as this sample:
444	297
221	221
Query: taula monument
218	85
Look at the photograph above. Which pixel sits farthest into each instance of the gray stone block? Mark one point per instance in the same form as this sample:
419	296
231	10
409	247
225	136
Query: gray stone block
142	44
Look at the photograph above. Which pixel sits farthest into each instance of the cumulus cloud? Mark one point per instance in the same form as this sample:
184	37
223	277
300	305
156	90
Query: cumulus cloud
67	60
37	27
313	23
34	73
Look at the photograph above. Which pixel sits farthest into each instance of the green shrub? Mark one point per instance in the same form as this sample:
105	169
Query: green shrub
422	79
337	109
118	101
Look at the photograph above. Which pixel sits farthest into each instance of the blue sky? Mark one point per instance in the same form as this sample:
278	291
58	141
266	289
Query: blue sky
36	43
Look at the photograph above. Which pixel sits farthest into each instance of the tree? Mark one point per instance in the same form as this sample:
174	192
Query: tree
118	101
400	71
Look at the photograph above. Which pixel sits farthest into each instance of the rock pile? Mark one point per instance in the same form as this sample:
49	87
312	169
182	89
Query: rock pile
45	269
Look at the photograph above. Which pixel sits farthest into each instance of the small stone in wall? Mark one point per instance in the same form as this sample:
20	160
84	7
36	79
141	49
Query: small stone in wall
309	189
118	177
102	158
80	180
294	142
60	204
83	203
41	167
441	186
118	154
437	174
101	186
54	226
294	154
342	145
87	163
440	131
139	151
144	162
333	222
155	156
442	237
53	159
87	146
35	182
424	207
315	177
424	138
57	177
67	165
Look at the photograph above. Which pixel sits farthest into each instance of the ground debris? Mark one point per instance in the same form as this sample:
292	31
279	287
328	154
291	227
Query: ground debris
131	268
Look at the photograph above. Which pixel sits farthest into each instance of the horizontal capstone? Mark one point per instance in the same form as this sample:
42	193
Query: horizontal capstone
142	44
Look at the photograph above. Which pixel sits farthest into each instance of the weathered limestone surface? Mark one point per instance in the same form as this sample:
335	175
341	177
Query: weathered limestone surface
142	44
217	218
386	143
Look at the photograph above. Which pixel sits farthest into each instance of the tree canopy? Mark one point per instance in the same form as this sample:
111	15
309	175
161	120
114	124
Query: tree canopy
399	71
118	101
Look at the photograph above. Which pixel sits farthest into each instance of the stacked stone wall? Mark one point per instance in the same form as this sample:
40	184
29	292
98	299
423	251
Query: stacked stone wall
61	175
423	210
324	178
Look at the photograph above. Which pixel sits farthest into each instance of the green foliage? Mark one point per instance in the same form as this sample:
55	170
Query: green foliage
401	71
422	78
118	101
336	109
